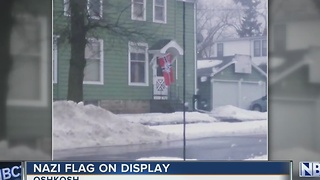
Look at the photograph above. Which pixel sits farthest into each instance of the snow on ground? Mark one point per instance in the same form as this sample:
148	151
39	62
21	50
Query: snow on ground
296	154
168	118
259	158
20	152
207	63
232	112
161	159
77	125
201	130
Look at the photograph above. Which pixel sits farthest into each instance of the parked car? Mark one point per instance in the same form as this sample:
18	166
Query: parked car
259	104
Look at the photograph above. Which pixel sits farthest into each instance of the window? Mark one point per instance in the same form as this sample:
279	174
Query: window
160	11
220	49
138	64
66	8
55	59
138	10
29	77
264	48
94	7
257	48
93	72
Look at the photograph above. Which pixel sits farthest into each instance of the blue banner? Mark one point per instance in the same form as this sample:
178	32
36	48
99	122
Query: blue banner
158	167
10	170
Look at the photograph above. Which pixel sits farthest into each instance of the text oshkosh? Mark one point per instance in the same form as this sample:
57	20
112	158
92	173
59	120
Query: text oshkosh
309	169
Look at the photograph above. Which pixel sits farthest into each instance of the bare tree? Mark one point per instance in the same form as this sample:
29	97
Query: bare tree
90	19
215	21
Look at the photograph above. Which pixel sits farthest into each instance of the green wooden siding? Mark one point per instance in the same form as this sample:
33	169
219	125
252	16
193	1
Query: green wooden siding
116	52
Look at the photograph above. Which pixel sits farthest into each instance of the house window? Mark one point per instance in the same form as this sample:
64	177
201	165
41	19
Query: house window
94	7
220	49
55	59
93	72
160	11
138	10
257	48
264	48
29	75
138	64
280	39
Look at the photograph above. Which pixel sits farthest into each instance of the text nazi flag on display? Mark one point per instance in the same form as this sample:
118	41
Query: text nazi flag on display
166	65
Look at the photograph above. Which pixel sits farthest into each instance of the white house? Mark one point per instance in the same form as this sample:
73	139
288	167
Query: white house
256	47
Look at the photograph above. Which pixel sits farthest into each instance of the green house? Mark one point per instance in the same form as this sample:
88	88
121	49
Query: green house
125	76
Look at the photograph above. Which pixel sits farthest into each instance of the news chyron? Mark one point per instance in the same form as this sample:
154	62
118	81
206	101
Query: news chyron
309	169
10	170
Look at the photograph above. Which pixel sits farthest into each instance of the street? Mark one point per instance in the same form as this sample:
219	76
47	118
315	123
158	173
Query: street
213	148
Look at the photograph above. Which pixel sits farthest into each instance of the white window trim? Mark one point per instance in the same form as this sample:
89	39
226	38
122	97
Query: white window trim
55	57
130	44
101	10
144	11
165	12
66	8
101	82
44	100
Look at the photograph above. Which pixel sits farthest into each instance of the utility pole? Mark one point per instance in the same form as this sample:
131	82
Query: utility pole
184	80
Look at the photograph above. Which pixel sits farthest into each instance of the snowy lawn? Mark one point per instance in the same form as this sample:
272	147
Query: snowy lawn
168	118
78	125
232	112
259	158
20	153
201	130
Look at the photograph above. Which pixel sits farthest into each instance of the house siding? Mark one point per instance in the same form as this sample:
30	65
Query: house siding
115	85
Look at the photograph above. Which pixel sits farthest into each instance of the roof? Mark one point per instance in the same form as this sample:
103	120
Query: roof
188	1
291	62
242	39
226	62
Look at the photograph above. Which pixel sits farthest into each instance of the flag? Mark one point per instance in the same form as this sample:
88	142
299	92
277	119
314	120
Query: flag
166	65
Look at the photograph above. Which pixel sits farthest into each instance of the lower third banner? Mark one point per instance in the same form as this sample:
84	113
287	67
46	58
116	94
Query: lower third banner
157	170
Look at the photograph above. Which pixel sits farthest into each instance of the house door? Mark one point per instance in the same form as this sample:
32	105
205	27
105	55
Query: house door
160	91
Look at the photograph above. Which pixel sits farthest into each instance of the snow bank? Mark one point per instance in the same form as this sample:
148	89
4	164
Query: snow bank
162	159
20	153
201	130
263	157
296	155
232	112
78	125
169	118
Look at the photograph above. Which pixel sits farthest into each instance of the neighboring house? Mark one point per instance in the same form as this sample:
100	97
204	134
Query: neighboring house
29	97
229	80
125	77
294	84
256	47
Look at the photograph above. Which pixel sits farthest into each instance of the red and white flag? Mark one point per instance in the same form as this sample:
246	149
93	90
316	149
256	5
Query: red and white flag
166	65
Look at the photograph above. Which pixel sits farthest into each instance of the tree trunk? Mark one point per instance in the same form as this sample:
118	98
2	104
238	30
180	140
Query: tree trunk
5	60
78	44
